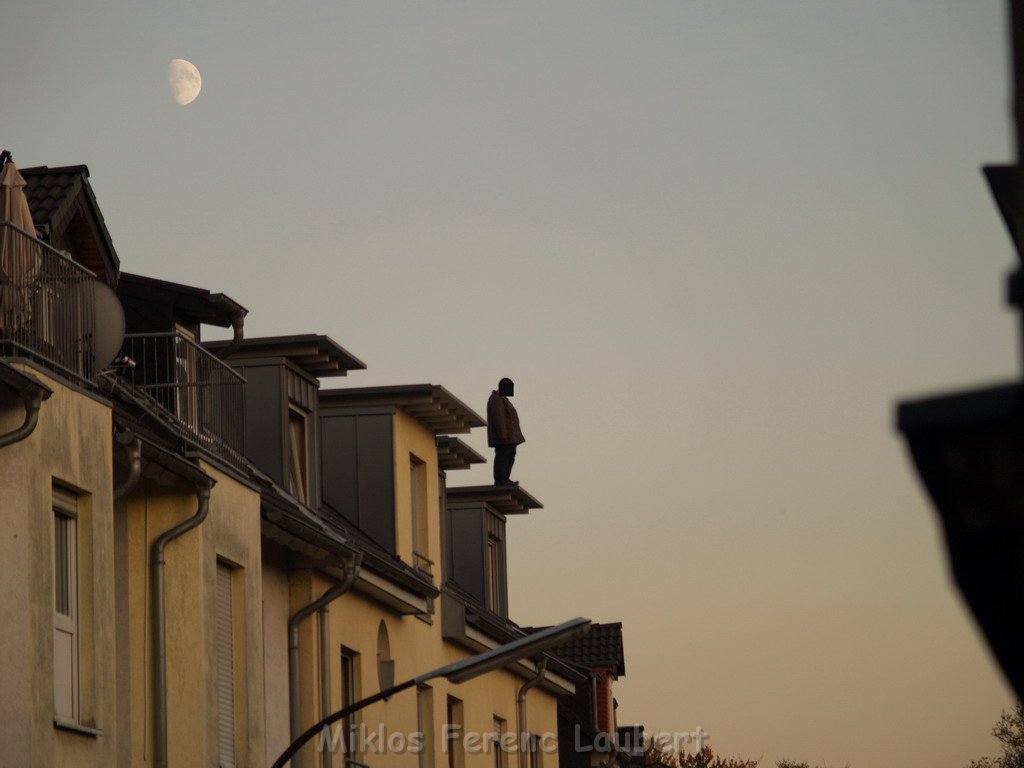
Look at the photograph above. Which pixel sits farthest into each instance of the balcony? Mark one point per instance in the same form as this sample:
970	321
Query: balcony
47	305
204	396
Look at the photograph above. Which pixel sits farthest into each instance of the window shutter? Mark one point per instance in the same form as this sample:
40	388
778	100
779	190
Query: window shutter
225	667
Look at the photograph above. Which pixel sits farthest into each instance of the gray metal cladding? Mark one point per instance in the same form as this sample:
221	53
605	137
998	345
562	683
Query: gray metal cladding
264	434
357	471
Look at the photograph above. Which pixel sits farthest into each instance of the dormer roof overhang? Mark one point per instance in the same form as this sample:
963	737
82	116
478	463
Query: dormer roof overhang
196	304
65	211
506	499
432	405
453	453
317	355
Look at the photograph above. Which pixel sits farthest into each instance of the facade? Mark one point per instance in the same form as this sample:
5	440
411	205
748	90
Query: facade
589	733
204	551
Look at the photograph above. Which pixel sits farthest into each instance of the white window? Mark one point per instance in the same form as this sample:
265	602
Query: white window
349	696
65	615
425	724
225	651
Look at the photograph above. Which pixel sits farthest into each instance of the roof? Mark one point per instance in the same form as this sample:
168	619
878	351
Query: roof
139	293
507	499
600	647
453	453
65	211
317	355
21	382
431	404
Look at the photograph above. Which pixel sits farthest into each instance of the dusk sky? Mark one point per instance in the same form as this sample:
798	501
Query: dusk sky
712	242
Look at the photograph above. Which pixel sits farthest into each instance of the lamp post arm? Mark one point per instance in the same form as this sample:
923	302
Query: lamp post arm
310	732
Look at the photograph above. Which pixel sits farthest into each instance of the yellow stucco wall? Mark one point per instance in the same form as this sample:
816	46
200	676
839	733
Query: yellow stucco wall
411	438
71	447
416	645
230	534
276	611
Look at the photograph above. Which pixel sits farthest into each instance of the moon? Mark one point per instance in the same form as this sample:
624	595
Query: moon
184	80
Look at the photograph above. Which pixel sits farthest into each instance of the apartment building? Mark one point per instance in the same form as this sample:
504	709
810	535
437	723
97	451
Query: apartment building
204	551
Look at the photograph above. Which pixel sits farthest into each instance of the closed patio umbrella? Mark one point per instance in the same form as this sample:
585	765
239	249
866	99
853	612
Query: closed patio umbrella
20	254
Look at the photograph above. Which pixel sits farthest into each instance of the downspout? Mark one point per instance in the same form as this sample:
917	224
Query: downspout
133	447
533	682
159	619
32	400
237	333
320	604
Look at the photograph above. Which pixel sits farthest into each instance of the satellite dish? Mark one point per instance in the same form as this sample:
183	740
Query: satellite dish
109	334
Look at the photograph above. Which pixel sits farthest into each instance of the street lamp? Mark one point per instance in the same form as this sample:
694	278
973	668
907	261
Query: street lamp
456	672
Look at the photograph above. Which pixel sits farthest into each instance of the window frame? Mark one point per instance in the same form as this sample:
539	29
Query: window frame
455	718
226	571
298	453
349	690
425	723
500	729
65	505
419	516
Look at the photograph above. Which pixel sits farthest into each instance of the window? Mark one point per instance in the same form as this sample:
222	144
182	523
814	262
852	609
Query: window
65	616
298	472
224	639
349	695
425	724
495	592
420	526
500	757
185	377
493	596
535	753
454	733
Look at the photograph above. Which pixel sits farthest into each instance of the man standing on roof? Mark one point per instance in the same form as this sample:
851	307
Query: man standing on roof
503	432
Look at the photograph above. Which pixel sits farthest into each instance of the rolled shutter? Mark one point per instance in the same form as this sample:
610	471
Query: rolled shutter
225	667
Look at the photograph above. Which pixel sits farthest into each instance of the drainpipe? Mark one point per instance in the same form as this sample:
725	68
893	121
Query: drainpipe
237	333
133	447
320	604
159	619
533	682
32	400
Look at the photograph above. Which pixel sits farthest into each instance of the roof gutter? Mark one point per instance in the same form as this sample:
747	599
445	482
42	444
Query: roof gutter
352	568
159	614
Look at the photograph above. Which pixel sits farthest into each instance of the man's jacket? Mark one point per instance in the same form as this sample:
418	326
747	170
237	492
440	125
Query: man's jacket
502	422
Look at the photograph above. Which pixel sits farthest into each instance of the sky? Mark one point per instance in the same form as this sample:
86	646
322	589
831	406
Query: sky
714	243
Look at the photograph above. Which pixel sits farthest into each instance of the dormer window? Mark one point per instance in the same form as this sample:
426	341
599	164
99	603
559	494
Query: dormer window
497	589
475	558
379	462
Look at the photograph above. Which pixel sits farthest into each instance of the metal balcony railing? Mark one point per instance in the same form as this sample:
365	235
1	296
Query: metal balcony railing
47	305
205	396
